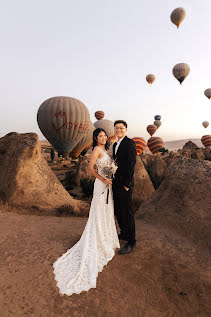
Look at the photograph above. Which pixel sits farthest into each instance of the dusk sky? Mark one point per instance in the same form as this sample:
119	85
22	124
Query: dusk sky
99	51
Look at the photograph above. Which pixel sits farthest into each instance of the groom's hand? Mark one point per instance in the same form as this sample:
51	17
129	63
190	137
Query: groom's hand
126	188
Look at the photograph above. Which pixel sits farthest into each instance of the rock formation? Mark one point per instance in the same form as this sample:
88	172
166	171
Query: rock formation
82	171
183	200
189	146
143	187
155	166
26	179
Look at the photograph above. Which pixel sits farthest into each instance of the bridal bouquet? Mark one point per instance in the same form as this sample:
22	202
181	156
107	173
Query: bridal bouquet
109	169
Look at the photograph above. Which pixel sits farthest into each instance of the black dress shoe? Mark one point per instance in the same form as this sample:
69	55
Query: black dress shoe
127	248
121	237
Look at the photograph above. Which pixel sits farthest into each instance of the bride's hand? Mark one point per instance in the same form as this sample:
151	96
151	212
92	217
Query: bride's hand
107	181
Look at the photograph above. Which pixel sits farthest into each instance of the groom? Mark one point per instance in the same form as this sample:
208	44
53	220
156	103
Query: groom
124	153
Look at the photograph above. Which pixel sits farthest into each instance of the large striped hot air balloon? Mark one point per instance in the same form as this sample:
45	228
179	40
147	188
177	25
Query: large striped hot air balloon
151	129
64	121
140	144
85	142
112	139
99	115
155	144
206	140
177	16
106	125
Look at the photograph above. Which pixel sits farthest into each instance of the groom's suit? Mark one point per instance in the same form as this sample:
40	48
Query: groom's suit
125	158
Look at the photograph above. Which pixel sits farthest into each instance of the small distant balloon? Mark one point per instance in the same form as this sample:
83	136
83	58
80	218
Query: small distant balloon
99	115
155	144
157	117
177	16
207	93
151	129
106	125
205	124
181	71
140	144
157	123
206	140
150	78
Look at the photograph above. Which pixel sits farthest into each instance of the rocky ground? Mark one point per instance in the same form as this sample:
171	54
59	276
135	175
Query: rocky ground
168	274
165	276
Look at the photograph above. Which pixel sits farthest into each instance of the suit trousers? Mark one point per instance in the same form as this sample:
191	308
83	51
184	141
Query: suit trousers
124	212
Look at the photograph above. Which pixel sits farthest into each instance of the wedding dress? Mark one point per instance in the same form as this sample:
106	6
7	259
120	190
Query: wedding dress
77	269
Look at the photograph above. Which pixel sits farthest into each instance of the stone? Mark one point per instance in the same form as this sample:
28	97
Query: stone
26	180
143	187
198	155
183	201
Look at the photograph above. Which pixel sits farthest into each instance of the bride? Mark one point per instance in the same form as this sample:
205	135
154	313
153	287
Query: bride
77	269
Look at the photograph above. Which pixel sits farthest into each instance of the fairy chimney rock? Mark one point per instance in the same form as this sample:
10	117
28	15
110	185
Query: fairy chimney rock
25	178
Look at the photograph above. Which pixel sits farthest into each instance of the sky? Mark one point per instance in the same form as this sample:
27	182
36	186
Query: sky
100	51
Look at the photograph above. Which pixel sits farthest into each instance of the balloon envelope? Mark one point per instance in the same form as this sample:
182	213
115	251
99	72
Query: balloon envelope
206	140
205	124
154	144
64	121
177	16
106	125
207	93
151	129
150	78
181	71
85	142
157	117
157	123
140	144
99	115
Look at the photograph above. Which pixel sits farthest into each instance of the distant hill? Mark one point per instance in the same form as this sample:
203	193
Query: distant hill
171	145
178	144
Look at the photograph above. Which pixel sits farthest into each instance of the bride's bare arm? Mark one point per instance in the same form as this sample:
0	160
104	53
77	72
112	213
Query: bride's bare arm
96	153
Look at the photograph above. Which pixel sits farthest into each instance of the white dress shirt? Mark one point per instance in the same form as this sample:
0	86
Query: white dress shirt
118	144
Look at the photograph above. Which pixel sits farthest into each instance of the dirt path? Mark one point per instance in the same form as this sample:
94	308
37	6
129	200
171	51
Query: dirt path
165	276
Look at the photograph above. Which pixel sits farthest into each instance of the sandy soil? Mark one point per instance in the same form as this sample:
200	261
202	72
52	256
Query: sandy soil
164	276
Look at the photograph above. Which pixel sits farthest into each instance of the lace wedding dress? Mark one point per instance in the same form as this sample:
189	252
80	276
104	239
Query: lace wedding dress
77	269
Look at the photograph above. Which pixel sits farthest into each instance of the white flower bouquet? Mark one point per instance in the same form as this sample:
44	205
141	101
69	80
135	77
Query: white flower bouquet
109	169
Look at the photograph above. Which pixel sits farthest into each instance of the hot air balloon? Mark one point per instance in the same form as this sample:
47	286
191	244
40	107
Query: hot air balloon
154	144
112	139
106	125
150	78
140	144
157	117
151	129
206	140
207	93
64	121
181	71
99	115
85	142
177	16
157	123
205	124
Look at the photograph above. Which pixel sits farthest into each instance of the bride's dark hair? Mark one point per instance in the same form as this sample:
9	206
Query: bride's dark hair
95	135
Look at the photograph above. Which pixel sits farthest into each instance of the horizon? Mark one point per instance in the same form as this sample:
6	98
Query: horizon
100	53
